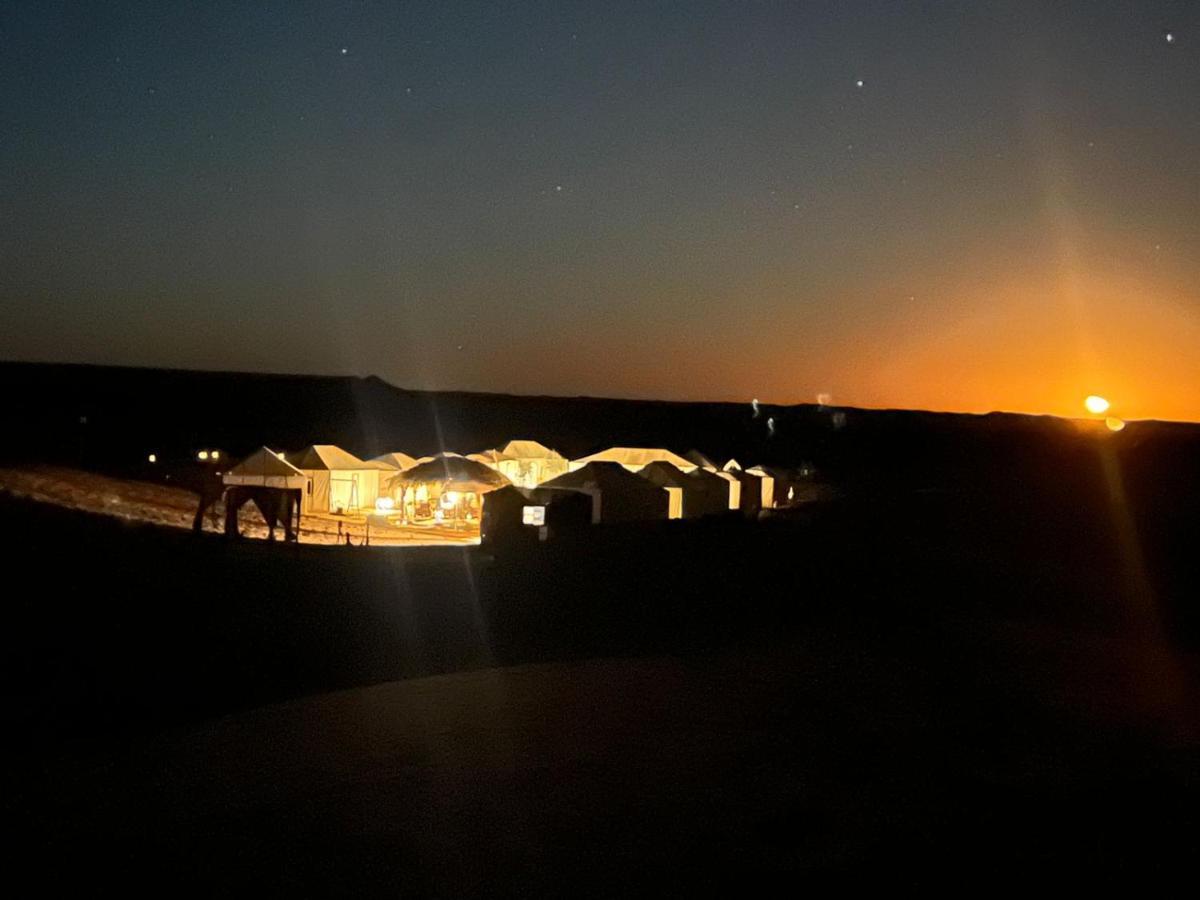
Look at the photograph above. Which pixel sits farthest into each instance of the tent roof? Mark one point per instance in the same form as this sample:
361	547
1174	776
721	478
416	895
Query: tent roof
326	456
701	460
264	468
265	462
529	450
600	475
639	456
488	457
664	474
451	469
396	460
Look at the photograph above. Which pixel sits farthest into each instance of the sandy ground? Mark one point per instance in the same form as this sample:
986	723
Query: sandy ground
600	775
160	504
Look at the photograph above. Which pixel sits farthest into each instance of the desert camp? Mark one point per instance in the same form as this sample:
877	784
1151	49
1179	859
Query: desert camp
450	490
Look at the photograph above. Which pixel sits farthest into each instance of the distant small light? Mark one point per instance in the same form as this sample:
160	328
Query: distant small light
202	455
1170	36
215	455
345	50
152	458
859	83
1114	424
280	454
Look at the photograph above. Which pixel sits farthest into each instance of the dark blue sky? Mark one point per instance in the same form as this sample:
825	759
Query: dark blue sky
686	200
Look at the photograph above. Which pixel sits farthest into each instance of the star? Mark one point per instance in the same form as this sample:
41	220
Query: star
1170	37
859	83
345	50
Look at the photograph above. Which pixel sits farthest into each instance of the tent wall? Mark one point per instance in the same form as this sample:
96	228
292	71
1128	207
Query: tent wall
316	497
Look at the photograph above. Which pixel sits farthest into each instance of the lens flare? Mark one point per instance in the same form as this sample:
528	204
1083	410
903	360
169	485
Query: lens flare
1096	405
1114	424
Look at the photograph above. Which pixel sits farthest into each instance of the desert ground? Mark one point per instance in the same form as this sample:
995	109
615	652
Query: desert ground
657	706
161	503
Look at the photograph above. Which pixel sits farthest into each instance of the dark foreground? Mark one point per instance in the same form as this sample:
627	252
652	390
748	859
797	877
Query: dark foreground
900	692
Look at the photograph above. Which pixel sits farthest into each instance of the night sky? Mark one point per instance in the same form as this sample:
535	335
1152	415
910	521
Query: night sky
964	206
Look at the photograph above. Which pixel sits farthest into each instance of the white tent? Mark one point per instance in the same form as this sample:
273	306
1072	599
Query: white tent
266	468
525	463
635	458
337	480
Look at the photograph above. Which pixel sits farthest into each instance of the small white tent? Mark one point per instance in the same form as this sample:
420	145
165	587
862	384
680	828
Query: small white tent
266	468
525	463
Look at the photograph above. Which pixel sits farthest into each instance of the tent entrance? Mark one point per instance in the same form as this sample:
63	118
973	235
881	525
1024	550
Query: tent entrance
343	493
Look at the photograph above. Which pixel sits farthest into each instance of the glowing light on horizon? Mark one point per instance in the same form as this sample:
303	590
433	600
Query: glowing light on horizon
1114	424
1095	404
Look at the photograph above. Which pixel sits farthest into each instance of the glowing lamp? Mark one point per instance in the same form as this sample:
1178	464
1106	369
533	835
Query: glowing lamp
533	515
202	455
449	498
1097	406
152	458
385	503
215	455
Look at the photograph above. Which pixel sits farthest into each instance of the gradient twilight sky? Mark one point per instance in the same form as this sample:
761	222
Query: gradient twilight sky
675	200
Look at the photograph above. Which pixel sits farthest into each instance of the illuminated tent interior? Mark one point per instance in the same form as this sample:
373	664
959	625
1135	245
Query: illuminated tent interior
634	458
444	488
337	481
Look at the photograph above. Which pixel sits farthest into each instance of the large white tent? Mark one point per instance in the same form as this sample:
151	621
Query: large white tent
337	481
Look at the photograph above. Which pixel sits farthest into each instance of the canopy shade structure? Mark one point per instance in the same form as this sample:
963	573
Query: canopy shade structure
635	458
452	472
401	461
265	468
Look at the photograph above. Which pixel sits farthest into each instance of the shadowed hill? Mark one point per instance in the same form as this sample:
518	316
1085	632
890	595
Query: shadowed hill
110	418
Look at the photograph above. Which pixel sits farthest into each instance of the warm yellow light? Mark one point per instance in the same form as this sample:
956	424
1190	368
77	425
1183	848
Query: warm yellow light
1114	424
202	455
1096	405
216	454
152	458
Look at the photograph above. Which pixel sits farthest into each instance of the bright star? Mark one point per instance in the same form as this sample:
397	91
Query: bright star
858	83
